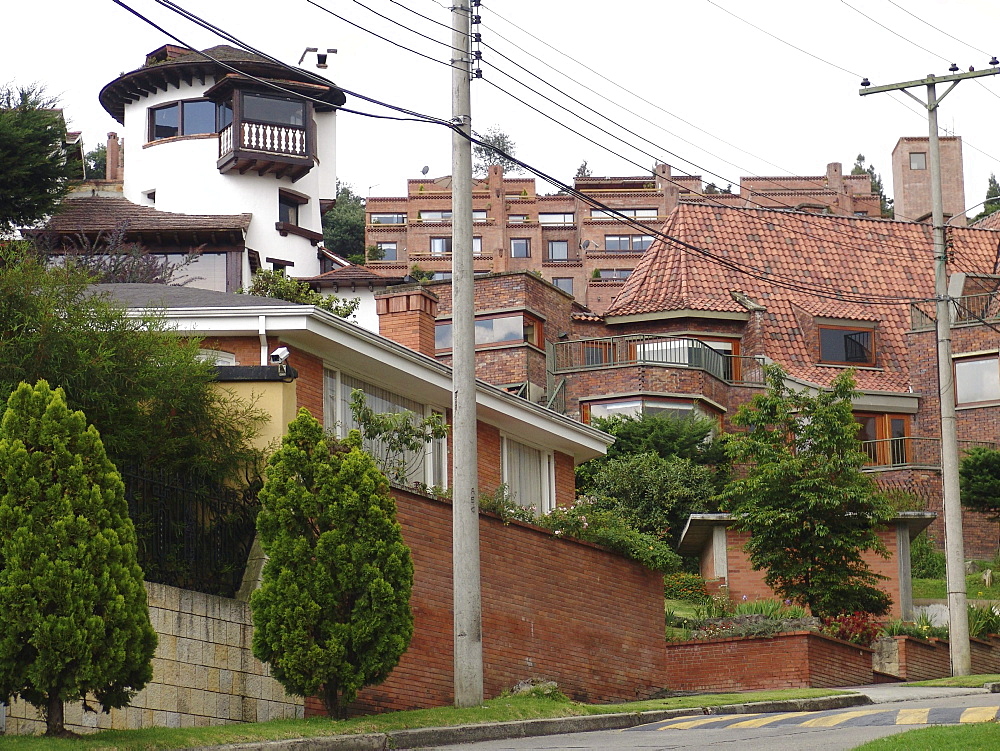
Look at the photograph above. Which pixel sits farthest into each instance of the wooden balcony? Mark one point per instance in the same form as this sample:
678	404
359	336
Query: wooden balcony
265	148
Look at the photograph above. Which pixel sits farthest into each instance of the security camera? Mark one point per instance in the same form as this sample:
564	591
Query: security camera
279	355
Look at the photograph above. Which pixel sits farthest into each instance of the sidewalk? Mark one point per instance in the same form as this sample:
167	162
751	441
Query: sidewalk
427	737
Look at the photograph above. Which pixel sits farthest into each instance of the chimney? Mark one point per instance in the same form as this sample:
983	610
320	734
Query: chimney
114	169
407	316
835	177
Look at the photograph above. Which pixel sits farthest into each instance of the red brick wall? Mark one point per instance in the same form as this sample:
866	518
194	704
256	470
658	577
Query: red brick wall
743	581
552	608
796	660
921	660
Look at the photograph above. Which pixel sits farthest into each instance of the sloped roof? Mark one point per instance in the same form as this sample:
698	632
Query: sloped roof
88	216
352	275
872	258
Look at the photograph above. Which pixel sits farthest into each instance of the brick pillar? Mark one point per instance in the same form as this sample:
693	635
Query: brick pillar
114	170
407	316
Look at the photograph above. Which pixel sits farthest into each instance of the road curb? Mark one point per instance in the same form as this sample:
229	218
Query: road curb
495	731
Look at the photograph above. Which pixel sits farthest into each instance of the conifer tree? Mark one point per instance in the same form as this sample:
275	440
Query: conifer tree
333	612
74	621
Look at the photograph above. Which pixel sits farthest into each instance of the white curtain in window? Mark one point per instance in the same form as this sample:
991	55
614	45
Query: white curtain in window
527	472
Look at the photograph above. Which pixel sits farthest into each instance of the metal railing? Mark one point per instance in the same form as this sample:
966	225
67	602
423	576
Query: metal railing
669	351
557	401
966	309
189	534
911	451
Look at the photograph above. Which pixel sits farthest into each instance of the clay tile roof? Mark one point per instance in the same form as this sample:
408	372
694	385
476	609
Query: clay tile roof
102	214
873	258
990	221
352	274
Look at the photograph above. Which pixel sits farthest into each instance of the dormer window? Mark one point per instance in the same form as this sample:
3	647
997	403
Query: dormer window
847	345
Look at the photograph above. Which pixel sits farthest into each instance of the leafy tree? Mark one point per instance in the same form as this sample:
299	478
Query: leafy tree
395	440
653	494
96	162
333	612
992	202
73	614
583	170
979	477
145	389
344	225
810	510
497	148
35	176
273	283
885	203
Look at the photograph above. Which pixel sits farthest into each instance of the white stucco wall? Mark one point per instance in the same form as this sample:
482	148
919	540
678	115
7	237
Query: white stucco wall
184	175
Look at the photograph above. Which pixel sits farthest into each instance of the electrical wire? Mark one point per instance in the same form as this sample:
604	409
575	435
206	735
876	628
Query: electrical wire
824	291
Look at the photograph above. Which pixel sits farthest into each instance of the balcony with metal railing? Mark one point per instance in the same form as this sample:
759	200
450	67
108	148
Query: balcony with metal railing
910	452
651	349
968	309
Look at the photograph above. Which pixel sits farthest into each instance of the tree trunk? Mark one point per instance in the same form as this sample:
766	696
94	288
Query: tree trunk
332	700
54	722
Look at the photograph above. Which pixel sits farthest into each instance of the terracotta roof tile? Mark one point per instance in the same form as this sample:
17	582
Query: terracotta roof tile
858	255
102	214
348	274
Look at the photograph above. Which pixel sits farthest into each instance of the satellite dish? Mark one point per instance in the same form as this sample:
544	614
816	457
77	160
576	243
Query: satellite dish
425	170
586	244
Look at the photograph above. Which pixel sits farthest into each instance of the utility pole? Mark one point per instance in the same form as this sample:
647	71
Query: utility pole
958	615
467	593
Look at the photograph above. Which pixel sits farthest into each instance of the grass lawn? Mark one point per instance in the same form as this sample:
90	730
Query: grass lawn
961	681
680	608
936	589
495	710
984	735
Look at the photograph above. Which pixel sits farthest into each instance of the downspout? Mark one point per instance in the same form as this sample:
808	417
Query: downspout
262	335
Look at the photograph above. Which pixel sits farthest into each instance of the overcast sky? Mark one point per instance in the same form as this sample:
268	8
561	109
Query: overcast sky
699	88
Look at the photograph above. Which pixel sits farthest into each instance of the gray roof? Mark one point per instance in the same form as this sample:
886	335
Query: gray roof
169	297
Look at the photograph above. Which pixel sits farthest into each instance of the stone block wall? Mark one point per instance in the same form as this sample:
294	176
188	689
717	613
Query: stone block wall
204	672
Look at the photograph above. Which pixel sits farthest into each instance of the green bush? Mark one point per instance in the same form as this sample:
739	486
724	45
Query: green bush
926	561
685	587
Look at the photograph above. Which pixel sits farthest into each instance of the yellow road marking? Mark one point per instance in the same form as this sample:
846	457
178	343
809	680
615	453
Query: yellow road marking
832	720
979	714
687	724
912	716
762	721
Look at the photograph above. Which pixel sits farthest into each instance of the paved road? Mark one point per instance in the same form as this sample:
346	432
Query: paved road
835	730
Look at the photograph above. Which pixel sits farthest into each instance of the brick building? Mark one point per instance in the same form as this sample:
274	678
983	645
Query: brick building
911	180
690	329
572	240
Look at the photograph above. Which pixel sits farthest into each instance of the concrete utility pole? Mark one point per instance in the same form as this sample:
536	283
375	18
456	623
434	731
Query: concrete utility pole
467	593
958	615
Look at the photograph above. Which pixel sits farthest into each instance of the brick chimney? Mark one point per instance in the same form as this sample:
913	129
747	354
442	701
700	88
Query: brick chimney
114	169
407	315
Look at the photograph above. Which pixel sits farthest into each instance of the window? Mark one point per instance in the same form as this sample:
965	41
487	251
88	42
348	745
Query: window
517	218
216	357
435	216
479	215
387	218
565	283
614	273
627	243
520	247
528	473
440	276
918	160
386	251
224	114
427	464
274	110
644	213
288	206
497	330
558	250
440	246
846	345
639	406
884	438
553	218
977	379
185	118
477	246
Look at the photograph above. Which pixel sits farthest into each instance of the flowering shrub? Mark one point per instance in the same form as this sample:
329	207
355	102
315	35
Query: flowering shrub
859	628
686	587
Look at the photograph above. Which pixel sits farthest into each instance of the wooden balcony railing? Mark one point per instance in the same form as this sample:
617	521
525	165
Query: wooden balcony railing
669	351
285	140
